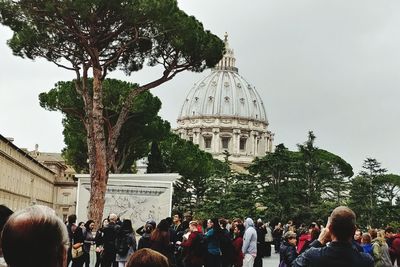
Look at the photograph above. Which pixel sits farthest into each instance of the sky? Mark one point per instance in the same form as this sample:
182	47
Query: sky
331	67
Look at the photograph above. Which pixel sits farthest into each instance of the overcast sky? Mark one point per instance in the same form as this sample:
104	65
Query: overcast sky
327	66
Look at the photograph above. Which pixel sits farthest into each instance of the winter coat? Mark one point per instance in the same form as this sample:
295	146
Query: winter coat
334	254
287	253
380	252
132	247
303	239
238	256
394	249
144	241
213	242
191	256
367	248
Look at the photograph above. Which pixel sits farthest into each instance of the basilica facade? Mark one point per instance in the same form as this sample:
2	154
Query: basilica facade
224	114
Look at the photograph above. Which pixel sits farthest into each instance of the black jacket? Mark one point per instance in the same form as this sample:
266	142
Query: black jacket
335	254
287	253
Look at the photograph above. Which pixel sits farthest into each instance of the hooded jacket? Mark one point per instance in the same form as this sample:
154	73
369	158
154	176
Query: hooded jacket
250	238
380	252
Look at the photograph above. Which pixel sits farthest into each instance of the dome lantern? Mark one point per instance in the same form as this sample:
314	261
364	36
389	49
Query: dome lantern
228	60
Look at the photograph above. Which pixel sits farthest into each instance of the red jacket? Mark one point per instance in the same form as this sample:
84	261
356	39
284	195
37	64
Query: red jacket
395	248
302	240
190	256
238	256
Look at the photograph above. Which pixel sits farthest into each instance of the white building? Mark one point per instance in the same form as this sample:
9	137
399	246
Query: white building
223	112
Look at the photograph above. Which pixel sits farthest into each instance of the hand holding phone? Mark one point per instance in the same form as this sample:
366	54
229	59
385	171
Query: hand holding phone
325	235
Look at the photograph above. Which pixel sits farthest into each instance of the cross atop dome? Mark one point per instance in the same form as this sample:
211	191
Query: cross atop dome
228	60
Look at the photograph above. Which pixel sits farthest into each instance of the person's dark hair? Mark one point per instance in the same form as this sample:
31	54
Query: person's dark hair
343	223
315	233
241	228
81	223
366	238
35	237
161	233
146	257
163	225
216	226
389	229
180	215
72	219
168	220
5	213
373	233
104	220
87	224
127	226
152	223
223	223
148	229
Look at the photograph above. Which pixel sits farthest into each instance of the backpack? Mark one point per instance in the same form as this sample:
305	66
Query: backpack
227	249
199	245
122	244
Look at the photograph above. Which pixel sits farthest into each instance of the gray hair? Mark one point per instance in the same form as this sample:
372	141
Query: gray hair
35	237
288	235
113	217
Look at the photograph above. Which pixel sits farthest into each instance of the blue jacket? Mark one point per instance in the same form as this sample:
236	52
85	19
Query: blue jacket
367	248
287	253
213	242
335	254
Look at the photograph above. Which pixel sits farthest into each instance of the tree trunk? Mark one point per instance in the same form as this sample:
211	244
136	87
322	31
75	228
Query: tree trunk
98	156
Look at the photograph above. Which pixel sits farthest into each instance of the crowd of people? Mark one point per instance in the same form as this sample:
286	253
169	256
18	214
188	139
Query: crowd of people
36	237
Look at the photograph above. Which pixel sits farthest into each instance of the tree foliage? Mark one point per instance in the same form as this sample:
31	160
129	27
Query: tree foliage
155	160
142	127
302	185
95	37
375	195
195	167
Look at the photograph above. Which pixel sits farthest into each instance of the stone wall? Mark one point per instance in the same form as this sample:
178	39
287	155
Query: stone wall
23	180
138	197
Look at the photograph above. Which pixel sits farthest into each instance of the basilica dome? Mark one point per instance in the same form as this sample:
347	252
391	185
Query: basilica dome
224	94
224	113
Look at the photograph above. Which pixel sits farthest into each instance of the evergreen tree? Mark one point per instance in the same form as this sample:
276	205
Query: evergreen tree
156	162
95	37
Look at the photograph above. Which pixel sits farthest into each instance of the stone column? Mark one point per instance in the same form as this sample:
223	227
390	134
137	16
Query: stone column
251	143
255	146
267	140
215	140
196	136
236	141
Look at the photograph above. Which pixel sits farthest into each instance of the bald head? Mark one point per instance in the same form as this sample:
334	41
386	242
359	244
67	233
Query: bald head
35	237
343	223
